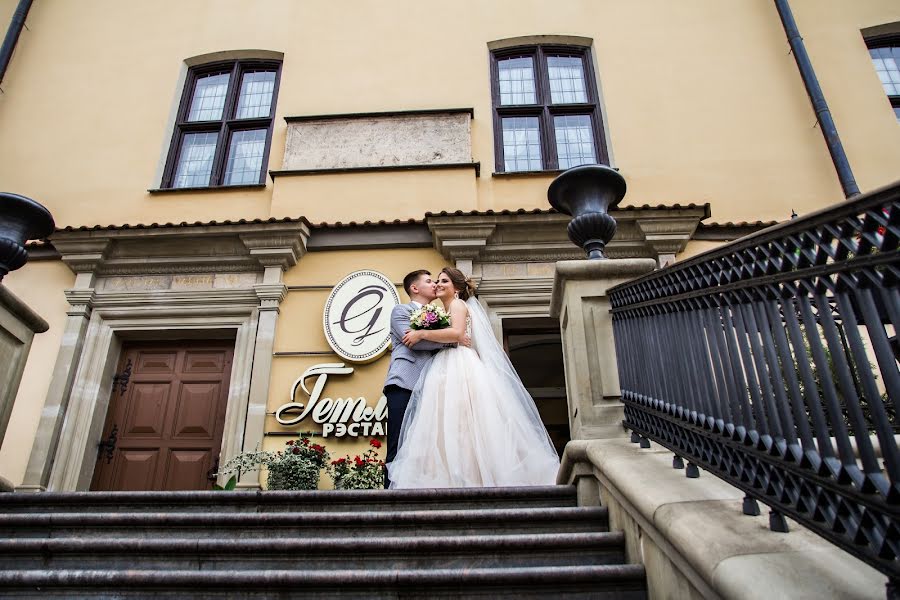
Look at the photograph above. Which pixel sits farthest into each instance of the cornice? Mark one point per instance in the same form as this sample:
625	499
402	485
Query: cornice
542	237
278	247
668	235
199	249
83	254
270	295
81	302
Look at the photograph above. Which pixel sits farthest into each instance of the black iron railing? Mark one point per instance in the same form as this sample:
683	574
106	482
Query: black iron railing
771	362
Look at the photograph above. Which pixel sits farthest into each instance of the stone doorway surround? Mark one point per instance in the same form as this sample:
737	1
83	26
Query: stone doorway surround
512	255
161	282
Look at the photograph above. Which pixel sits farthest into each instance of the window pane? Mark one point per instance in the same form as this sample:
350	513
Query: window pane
517	81
245	154
897	113
566	79
574	140
887	64
521	144
209	97
195	160
255	99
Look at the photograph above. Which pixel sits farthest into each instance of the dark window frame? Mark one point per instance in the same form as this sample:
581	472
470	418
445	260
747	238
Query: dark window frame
885	41
544	109
225	126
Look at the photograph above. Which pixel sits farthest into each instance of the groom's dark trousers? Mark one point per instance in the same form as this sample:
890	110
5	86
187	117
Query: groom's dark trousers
397	400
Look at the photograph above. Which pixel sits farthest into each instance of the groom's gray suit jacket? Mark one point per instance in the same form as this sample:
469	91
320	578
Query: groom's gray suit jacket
406	363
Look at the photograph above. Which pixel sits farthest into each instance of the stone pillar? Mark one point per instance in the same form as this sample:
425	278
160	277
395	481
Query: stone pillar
276	253
18	324
82	257
581	303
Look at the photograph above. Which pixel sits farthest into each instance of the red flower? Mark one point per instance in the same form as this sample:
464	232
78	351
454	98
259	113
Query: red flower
375	444
305	441
290	442
358	461
339	461
318	448
296	450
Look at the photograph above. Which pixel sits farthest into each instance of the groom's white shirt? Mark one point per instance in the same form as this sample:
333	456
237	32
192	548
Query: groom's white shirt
407	363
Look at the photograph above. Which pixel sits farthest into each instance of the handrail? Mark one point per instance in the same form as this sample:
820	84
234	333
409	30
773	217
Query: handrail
829	214
772	362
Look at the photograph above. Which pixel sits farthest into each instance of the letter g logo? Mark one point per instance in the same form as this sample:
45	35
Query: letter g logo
357	318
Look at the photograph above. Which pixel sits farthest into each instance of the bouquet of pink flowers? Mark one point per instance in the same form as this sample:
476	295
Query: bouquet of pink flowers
429	317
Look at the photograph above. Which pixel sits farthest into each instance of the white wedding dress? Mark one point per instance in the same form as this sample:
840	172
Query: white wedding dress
471	423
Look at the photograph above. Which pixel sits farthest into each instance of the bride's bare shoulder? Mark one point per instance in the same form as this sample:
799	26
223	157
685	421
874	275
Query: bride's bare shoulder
458	305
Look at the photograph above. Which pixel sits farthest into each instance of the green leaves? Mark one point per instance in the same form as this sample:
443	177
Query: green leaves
229	485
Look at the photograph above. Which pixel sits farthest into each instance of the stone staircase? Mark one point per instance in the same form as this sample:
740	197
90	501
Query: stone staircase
498	542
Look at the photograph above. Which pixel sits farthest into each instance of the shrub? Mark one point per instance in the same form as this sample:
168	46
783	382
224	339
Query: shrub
297	467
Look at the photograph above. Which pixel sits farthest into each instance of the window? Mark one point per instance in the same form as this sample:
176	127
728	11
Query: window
224	126
885	55
546	115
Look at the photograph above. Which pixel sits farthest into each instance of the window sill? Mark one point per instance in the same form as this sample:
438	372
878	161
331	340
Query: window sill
338	170
209	188
546	172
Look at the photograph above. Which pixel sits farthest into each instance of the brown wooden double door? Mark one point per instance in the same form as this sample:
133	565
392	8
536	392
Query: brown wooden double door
166	416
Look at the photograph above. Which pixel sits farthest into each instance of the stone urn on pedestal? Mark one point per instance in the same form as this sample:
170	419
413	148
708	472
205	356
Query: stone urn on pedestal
21	219
587	193
580	301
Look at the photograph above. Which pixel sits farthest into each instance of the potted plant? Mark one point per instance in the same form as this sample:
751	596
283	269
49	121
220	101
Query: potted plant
297	467
364	472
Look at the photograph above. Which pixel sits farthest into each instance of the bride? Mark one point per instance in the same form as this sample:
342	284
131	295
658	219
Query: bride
470	421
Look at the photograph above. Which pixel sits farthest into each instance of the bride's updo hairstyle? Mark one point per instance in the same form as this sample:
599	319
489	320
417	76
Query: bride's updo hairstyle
461	283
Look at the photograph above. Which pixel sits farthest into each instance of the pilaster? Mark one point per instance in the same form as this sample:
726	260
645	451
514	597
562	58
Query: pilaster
276	253
83	257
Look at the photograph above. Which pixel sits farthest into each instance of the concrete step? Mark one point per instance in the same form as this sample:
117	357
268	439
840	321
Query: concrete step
620	582
192	554
304	524
311	501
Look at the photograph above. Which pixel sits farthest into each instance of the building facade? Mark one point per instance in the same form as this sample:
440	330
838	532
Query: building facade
215	169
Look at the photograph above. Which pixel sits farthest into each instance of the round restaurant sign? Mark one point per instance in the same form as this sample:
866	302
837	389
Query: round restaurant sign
357	317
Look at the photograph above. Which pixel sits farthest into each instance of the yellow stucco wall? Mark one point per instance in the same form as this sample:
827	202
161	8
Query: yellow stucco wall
41	287
702	100
7	8
374	196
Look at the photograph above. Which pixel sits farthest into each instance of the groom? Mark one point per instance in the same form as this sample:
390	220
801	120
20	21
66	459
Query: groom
407	363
